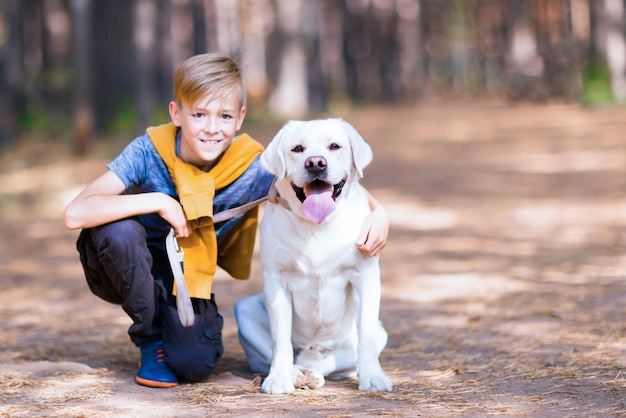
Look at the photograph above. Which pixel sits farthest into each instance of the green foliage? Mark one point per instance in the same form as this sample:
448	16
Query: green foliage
597	83
46	99
124	119
34	119
160	115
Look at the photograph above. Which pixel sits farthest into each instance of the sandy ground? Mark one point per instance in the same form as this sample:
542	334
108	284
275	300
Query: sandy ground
504	279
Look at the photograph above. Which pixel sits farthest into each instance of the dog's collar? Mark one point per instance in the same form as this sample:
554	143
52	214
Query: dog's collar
274	197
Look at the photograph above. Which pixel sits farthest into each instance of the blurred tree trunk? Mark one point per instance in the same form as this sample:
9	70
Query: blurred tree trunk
562	46
463	60
199	27
181	31
255	24
526	66
113	70
580	18
616	47
227	28
330	34
385	53
491	39
358	50
312	26
56	61
145	37
81	64
289	97
209	27
377	37
11	68
411	74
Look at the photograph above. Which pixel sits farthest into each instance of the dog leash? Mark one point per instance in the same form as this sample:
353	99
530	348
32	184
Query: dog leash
272	197
176	255
238	210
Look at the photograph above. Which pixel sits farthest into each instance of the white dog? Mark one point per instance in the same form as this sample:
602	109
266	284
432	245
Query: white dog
321	293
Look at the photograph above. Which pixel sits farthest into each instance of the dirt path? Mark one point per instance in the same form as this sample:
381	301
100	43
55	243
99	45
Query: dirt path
504	280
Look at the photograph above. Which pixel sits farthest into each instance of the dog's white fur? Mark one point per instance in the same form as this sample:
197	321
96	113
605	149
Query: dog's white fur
322	294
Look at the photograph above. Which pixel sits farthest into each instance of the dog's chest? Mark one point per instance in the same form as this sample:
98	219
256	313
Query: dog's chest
321	305
293	244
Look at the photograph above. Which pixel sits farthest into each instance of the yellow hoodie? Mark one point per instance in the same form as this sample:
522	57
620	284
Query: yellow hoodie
196	189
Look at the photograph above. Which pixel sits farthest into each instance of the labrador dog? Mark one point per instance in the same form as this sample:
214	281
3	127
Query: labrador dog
321	293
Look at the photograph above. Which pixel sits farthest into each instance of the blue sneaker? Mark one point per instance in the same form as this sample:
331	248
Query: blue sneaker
153	371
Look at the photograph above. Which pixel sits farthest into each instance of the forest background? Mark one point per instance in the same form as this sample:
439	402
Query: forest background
89	67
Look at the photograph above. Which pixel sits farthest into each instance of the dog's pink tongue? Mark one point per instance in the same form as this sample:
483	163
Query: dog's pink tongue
318	205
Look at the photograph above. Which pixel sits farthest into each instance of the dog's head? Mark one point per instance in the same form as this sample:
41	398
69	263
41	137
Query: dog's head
315	161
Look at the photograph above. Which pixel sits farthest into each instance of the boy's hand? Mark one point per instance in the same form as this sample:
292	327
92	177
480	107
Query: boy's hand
375	229
374	232
173	213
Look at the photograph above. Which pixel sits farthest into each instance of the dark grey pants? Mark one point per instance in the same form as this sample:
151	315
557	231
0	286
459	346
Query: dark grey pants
120	268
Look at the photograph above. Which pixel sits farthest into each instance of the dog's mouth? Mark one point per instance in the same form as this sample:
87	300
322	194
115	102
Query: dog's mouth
318	187
318	199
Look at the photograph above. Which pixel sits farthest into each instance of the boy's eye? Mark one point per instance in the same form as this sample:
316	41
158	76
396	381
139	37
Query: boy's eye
198	115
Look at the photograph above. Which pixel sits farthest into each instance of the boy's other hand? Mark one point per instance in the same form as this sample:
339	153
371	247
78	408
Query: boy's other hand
173	213
374	231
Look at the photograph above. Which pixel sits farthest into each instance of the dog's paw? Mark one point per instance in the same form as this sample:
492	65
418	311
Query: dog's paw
276	384
375	383
307	379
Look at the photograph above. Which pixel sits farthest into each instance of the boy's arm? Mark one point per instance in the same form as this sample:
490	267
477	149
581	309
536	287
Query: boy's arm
375	229
102	202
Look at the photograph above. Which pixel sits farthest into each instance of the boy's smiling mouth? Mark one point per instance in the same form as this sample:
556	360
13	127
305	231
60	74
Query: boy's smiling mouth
211	141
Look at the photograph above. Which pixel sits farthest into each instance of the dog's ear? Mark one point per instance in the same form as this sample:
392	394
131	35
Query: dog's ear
273	158
361	152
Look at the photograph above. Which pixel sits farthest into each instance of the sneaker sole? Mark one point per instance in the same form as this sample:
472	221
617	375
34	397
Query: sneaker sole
154	383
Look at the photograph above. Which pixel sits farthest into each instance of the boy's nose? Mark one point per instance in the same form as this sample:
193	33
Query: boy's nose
211	125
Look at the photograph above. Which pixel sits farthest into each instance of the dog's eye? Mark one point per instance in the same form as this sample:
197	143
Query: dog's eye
297	148
334	146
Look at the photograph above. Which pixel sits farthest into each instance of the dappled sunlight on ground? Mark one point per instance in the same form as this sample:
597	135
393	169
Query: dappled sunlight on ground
504	278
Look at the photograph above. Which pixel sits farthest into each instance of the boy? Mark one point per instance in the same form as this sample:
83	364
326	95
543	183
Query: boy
176	176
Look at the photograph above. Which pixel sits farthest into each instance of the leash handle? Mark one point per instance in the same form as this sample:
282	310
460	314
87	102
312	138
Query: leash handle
176	255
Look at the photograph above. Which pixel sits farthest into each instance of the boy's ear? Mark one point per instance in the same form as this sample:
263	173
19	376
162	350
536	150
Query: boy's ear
173	108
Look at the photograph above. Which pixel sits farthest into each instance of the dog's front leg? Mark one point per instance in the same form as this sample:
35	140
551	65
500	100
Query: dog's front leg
278	303
372	336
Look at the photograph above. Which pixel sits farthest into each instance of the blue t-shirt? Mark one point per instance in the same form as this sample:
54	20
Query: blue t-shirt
142	170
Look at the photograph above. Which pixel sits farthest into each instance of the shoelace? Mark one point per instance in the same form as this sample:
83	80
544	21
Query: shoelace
160	355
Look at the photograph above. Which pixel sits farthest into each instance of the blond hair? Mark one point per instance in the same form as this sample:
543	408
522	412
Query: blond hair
208	75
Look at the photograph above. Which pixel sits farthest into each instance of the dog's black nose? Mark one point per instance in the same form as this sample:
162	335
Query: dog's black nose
316	164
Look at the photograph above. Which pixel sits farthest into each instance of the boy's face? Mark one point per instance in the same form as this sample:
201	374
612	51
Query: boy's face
208	127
